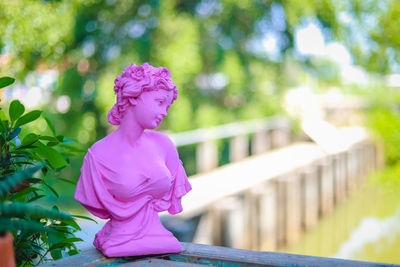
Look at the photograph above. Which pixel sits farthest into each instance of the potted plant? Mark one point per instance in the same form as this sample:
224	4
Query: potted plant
29	163
14	216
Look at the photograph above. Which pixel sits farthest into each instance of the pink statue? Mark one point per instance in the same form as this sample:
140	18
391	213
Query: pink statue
132	174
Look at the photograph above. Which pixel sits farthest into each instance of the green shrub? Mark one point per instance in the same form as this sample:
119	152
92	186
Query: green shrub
27	165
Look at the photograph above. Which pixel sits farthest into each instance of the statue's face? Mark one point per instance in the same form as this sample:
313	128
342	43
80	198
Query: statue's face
152	107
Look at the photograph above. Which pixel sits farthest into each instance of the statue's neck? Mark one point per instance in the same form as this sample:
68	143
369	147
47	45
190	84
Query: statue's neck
129	131
128	135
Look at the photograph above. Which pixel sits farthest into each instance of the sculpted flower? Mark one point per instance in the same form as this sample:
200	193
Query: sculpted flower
119	83
161	84
163	73
138	73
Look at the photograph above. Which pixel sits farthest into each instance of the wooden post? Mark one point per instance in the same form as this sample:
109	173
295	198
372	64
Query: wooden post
310	192
216	214
261	142
345	173
207	156
204	231
379	154
293	208
268	217
358	164
352	169
340	177
280	137
326	185
281	212
238	148
251	217
234	216
362	161
372	156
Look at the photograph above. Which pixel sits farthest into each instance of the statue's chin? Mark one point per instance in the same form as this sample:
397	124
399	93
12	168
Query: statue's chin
152	126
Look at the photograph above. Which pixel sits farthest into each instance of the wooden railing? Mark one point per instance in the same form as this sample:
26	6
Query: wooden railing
262	202
266	201
203	255
245	138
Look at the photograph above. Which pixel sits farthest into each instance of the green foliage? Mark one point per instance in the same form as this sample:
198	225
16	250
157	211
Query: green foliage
385	123
6	81
383	119
10	182
388	177
27	169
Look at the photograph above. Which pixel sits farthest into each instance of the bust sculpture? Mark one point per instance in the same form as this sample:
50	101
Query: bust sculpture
132	174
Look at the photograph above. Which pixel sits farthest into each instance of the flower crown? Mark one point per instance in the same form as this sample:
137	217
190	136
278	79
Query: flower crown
144	77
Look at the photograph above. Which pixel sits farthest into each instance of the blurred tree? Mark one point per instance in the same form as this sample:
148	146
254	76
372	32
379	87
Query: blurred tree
230	59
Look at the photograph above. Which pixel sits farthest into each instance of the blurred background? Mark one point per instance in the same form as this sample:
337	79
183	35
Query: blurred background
233	62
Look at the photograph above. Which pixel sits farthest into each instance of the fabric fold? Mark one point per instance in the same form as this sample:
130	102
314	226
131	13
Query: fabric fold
131	201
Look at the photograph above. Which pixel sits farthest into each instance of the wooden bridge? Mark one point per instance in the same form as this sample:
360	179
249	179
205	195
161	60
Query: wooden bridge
266	200
271	192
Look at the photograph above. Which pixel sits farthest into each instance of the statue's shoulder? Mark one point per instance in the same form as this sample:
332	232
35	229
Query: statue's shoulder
101	147
160	138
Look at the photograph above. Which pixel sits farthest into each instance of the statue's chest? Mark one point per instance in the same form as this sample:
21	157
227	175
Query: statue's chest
141	172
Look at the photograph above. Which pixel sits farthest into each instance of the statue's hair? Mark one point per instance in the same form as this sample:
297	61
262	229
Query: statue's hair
133	81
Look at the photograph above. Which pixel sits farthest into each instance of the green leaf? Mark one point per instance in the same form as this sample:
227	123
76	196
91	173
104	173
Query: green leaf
6	81
60	138
48	138
19	224
29	139
73	252
3	116
66	180
56	254
52	190
22	209
85	218
59	245
29	117
14	134
72	240
51	126
73	224
35	180
36	198
4	125
16	110
11	181
52	143
25	192
72	148
2	141
44	171
53	156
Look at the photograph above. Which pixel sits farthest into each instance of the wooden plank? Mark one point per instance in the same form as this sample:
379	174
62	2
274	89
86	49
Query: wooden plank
268	216
198	254
159	262
229	130
261	142
310	194
207	156
229	179
238	148
236	257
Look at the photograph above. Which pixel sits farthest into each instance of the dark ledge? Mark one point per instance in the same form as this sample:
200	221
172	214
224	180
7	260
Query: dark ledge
197	255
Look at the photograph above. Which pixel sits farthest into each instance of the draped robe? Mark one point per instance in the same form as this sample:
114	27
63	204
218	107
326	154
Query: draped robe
129	188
